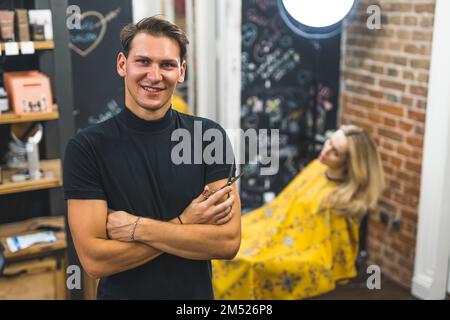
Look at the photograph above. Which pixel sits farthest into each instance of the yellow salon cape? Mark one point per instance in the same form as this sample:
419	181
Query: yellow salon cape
292	248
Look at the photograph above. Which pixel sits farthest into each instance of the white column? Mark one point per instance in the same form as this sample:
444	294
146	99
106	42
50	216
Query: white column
145	8
168	9
190	29
229	16
229	13
205	58
218	61
448	280
433	239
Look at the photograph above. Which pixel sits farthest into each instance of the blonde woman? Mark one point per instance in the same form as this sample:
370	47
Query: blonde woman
306	240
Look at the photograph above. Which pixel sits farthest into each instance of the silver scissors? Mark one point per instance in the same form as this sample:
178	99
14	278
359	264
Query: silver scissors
230	181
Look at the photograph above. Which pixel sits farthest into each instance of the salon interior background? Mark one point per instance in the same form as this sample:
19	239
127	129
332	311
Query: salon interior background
260	74
379	80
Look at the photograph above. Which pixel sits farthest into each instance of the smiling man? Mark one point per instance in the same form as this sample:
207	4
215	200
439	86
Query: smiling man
140	223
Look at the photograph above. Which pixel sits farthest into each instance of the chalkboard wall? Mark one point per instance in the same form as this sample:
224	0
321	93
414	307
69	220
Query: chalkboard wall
98	89
279	73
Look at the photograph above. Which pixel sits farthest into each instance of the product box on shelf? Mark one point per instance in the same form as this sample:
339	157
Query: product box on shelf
28	91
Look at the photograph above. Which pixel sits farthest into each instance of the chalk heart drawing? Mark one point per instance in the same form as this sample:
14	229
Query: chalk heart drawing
93	45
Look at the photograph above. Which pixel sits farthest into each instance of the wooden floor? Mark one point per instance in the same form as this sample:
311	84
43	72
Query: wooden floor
357	290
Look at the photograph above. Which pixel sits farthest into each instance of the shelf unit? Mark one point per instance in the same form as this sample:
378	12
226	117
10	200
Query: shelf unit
20	201
53	58
41	267
38	45
11	117
52	168
50	179
29	227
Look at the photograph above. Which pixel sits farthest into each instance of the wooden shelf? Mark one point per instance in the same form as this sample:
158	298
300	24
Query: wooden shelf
11	117
29	185
38	45
44	45
29	227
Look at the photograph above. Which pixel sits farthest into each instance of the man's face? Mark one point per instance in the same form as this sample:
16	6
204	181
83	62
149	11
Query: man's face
151	71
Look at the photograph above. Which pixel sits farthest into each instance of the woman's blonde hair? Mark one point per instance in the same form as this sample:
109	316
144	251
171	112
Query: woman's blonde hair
364	181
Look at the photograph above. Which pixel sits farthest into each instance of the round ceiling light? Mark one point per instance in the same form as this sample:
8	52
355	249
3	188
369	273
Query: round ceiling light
316	19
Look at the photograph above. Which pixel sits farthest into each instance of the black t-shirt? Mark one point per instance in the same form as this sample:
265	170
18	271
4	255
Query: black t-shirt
127	162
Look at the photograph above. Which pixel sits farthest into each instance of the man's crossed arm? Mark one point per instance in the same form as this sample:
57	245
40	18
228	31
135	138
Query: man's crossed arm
211	230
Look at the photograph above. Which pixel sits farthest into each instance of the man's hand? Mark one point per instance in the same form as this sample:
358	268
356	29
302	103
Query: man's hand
119	225
210	210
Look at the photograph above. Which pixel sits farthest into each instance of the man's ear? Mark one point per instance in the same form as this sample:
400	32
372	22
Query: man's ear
182	72
121	64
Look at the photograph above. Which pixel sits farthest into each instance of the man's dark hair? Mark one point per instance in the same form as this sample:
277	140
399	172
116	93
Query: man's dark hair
157	27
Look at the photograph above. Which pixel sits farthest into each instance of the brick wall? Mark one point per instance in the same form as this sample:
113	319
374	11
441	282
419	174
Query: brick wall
384	89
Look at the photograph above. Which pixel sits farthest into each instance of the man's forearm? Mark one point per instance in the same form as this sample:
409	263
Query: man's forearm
107	257
194	241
